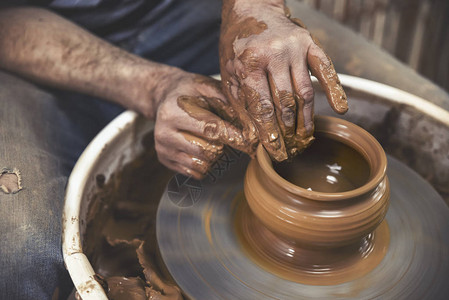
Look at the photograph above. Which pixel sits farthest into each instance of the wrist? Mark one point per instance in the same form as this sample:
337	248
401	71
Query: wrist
168	78
150	85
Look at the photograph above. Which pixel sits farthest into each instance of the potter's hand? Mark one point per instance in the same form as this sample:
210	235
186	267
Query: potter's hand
265	59
193	123
58	53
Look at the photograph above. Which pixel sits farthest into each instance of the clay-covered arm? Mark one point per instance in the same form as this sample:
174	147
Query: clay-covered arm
193	120
39	45
265	58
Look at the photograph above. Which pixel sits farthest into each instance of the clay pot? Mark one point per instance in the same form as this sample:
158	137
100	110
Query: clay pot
289	228
315	218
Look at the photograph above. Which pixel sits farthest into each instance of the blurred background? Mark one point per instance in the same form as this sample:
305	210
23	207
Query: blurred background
414	31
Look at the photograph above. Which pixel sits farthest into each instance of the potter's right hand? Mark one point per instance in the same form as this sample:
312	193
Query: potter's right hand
265	58
193	122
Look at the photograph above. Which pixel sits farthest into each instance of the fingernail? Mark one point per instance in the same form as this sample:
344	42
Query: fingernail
194	174
201	165
188	171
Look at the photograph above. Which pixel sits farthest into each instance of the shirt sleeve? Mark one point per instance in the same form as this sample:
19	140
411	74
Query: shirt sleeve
52	3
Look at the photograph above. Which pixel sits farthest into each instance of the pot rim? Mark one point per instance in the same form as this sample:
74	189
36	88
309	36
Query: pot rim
375	179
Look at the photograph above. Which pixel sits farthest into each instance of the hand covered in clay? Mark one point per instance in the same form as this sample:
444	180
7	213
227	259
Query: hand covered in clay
193	123
265	57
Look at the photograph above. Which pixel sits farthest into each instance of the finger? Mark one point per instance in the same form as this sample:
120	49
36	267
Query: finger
322	68
205	124
196	163
230	89
260	107
180	168
204	149
303	93
285	106
189	143
222	109
302	86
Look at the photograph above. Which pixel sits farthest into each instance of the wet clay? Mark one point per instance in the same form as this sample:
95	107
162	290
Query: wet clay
213	113
279	117
304	264
124	288
209	149
326	166
120	239
245	99
324	71
285	105
268	134
243	29
325	236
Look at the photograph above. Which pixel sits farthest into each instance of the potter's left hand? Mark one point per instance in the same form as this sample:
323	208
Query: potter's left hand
265	57
193	124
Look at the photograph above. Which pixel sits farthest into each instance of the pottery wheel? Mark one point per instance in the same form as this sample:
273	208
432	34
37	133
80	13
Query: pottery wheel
196	236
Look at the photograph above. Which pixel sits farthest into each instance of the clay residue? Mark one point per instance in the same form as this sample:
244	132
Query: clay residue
136	288
120	238
323	69
241	28
252	110
277	121
211	150
217	119
126	288
163	290
10	181
327	76
263	112
289	113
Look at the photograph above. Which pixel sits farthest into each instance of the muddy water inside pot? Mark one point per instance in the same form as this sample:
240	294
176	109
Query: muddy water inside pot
327	166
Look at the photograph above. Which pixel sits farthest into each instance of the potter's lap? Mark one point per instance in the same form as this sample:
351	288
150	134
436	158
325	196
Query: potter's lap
29	219
41	137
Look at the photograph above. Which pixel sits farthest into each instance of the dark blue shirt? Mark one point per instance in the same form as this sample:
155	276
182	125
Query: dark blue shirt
118	21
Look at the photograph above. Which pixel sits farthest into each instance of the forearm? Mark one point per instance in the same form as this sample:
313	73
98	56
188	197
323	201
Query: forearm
48	49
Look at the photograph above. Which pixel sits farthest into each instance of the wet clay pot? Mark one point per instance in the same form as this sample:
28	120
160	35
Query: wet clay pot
327	230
